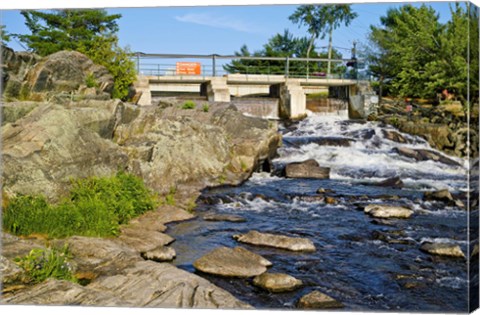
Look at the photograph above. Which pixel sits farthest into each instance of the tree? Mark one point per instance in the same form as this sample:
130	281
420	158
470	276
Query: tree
4	36
280	45
417	55
91	32
322	20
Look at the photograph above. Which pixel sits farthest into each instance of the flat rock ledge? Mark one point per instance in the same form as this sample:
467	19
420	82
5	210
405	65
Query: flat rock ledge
387	212
145	284
232	262
442	249
307	169
276	282
296	244
318	300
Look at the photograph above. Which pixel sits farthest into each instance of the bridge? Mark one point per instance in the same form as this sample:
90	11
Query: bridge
289	88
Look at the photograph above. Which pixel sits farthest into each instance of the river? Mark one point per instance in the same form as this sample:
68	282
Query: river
367	264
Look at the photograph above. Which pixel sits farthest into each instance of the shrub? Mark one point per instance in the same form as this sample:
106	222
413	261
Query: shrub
91	81
41	264
95	207
189	105
205	108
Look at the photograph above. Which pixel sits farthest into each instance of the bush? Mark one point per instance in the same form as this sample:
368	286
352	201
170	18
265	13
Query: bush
189	105
90	81
94	207
41	264
205	108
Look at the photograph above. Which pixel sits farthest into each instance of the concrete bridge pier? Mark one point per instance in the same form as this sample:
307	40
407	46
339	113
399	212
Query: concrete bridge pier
216	90
292	99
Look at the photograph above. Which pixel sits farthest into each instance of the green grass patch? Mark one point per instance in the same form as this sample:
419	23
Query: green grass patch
189	105
41	264
91	81
96	206
205	108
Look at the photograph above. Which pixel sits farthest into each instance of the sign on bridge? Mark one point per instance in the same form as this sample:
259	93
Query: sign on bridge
189	68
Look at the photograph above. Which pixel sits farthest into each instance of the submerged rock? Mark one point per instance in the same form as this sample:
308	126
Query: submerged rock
425	155
224	217
318	300
277	241
386	211
442	249
394	136
391	182
232	262
307	169
276	282
440	195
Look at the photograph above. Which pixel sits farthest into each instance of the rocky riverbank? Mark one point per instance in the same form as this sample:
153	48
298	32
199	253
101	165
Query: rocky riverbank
57	127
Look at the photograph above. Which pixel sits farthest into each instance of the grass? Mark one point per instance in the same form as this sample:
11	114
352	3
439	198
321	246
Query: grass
205	108
170	197
41	264
189	105
95	207
91	81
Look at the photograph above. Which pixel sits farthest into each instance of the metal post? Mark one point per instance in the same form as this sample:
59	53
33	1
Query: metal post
213	65
287	66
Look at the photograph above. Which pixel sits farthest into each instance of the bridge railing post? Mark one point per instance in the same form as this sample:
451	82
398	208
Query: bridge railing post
287	66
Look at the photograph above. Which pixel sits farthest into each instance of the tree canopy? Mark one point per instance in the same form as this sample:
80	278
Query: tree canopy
415	55
322	20
4	36
91	32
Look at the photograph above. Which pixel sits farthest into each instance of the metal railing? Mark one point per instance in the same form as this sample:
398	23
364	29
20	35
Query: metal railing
166	65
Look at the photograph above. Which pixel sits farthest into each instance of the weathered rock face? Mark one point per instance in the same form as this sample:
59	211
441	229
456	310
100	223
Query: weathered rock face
386	211
277	241
168	287
307	169
14	67
64	72
443	249
236	262
318	300
277	282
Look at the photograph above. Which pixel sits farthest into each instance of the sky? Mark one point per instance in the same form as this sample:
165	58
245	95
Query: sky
222	29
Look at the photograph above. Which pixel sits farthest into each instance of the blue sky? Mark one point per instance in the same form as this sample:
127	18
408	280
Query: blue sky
223	29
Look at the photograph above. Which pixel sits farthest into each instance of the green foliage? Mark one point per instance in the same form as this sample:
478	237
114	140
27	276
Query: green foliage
205	108
95	207
170	197
4	36
322	20
189	105
282	45
417	56
91	32
90	81
40	265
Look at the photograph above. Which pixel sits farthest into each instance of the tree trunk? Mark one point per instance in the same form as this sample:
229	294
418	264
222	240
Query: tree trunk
329	50
310	45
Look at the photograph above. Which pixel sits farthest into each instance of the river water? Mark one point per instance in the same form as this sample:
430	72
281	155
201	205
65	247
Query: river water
367	264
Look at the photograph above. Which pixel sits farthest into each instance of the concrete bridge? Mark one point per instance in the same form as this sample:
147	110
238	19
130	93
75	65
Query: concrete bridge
291	92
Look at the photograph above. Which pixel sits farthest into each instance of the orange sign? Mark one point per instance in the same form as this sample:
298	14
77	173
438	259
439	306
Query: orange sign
189	68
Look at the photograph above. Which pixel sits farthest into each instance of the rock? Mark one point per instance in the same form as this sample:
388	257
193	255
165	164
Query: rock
440	195
14	67
276	282
277	241
144	240
307	169
425	155
160	254
322	141
323	191
318	300
143	284
391	182
442	249
330	200
386	211
224	217
64	71
394	136
228	262
10	272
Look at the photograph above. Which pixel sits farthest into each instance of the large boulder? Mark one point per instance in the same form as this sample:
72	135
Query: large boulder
232	262
64	72
307	169
277	241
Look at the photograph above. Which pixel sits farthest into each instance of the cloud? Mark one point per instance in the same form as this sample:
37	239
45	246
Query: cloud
225	22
